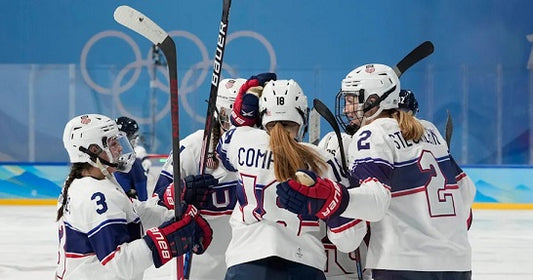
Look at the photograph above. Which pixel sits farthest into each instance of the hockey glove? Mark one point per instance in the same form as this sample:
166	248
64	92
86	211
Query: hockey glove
312	195
246	106
174	238
195	190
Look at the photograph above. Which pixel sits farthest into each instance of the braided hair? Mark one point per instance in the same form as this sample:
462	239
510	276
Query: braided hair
76	172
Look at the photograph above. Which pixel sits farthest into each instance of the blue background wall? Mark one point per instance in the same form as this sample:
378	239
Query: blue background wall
52	50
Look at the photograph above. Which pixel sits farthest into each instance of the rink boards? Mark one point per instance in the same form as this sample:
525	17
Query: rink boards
498	187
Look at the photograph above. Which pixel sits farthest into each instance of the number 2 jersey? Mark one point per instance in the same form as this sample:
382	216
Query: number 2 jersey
260	228
424	218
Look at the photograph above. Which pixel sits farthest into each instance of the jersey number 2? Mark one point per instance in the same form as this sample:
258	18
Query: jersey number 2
440	198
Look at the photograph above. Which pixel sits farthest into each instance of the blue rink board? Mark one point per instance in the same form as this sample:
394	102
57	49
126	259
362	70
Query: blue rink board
43	181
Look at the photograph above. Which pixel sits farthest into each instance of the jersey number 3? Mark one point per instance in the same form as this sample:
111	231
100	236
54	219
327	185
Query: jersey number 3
100	202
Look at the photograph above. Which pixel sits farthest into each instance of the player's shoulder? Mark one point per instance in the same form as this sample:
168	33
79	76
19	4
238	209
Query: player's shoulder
378	128
326	140
322	152
194	137
245	134
427	124
88	185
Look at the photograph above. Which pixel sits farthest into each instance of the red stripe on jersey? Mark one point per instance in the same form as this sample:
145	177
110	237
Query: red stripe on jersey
110	256
215	213
407	192
345	226
77	256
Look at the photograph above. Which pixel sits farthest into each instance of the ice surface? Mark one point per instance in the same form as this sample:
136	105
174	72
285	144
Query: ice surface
502	244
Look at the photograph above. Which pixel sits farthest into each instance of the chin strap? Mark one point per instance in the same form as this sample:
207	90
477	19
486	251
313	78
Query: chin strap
95	158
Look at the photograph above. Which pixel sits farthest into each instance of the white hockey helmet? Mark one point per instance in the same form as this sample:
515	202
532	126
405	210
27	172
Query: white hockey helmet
367	82
226	95
284	100
86	133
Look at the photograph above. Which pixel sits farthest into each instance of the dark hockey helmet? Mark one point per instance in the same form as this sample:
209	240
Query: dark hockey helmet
128	126
408	102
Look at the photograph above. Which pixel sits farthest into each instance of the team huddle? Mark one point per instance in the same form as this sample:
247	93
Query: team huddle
269	205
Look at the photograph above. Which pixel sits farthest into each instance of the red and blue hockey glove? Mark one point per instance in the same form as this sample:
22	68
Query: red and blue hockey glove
313	195
246	106
195	190
174	238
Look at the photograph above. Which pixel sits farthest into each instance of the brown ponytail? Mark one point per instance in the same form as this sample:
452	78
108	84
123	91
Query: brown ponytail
75	173
410	127
289	155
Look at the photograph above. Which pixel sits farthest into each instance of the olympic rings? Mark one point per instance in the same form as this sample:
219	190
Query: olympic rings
193	78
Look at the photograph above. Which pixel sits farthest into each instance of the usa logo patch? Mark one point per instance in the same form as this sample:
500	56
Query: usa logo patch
230	84
85	119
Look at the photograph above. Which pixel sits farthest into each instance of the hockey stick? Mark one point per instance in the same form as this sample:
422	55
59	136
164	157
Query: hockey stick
143	25
217	70
422	51
324	111
314	127
448	131
211	104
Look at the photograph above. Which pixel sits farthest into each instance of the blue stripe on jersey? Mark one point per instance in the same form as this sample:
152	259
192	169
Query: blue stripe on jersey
402	176
373	168
103	239
407	175
223	154
76	242
162	183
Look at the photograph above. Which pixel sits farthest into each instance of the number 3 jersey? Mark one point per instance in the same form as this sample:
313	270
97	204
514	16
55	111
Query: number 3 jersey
100	230
259	227
424	226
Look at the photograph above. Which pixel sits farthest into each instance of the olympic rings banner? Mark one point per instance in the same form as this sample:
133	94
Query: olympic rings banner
60	59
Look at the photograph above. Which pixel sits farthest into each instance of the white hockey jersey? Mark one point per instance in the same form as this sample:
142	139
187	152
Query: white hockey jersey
423	223
342	265
259	227
211	264
99	233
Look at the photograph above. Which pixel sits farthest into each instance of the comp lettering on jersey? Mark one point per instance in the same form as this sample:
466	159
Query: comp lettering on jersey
255	158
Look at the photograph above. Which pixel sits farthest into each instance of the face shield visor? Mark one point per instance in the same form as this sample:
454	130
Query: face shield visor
120	152
349	111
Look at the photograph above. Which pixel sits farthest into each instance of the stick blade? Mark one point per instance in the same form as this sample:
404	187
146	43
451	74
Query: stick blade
138	22
448	130
419	53
314	127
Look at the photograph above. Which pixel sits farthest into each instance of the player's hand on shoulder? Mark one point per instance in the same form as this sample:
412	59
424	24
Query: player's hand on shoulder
246	106
174	238
310	194
195	190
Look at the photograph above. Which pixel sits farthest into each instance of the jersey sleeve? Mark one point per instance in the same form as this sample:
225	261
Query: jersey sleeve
223	148
106	225
189	162
371	167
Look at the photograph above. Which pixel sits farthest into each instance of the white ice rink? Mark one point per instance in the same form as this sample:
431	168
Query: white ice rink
502	244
